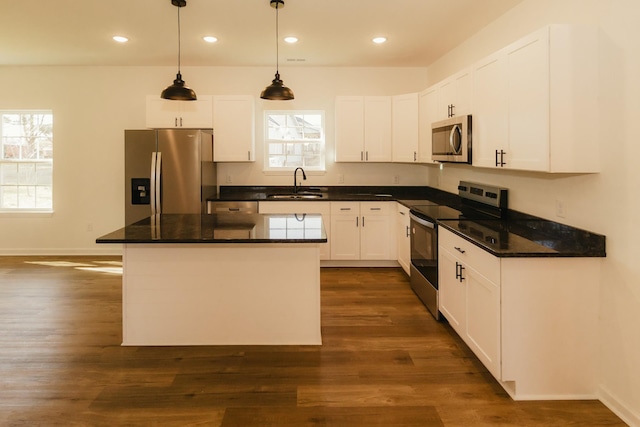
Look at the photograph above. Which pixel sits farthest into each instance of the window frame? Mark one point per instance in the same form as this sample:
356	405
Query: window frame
36	183
268	169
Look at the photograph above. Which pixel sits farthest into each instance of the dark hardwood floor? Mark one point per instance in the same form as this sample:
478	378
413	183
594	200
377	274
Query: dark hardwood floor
384	362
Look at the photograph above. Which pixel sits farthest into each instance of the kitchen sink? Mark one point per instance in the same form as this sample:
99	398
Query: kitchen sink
295	196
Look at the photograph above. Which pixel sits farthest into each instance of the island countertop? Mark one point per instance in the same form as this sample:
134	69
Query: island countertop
222	228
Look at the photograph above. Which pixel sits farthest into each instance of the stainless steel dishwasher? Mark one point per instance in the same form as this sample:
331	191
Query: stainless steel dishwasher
231	207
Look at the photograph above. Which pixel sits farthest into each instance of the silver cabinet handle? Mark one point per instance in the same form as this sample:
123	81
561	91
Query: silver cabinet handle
407	227
345	209
249	155
459	249
367	156
361	155
357	218
362	222
375	209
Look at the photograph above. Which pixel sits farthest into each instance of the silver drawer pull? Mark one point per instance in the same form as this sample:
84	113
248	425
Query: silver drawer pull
345	209
459	250
375	209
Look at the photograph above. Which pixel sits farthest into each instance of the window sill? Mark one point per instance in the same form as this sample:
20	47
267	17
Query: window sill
290	172
25	214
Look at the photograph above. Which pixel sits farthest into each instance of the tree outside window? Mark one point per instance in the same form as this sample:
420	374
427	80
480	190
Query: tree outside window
26	161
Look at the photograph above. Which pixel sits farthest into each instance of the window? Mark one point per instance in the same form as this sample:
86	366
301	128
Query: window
294	139
26	161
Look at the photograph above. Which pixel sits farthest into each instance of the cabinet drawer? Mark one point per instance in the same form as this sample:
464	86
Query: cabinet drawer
345	208
376	208
478	259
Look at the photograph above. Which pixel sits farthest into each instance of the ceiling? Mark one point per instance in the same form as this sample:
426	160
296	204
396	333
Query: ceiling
330	32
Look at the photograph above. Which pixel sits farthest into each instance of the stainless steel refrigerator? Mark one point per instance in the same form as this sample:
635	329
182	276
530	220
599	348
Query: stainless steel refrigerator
168	171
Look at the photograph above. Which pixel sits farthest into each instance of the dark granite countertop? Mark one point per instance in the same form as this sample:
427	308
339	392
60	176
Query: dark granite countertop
222	228
524	235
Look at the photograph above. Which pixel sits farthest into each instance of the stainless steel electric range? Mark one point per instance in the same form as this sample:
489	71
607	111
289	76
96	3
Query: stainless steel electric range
478	202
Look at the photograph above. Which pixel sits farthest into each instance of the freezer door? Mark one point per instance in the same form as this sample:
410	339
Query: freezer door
180	170
139	148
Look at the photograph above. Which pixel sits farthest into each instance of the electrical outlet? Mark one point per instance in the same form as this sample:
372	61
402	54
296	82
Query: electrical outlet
229	180
396	179
560	209
340	178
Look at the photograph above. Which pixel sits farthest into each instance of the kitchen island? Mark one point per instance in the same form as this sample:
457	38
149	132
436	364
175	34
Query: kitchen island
222	279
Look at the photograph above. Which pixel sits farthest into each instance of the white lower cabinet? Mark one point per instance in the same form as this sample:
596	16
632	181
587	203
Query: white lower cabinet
531	321
296	207
363	231
468	298
403	237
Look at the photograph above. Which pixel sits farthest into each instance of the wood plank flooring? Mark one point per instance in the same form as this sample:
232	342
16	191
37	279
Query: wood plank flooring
384	362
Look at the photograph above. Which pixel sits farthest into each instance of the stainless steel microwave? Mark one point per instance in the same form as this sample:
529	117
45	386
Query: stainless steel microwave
451	140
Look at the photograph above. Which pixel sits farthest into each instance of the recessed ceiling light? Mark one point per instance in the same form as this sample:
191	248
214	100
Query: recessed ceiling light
291	39
379	40
120	39
210	39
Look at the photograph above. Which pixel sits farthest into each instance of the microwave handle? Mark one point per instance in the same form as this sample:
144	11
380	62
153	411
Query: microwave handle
454	129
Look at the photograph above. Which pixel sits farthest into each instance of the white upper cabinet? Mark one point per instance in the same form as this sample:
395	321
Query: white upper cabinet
164	113
490	114
428	111
535	103
405	128
363	129
454	95
234	128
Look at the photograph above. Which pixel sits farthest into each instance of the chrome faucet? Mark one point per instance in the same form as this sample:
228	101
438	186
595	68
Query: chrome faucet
295	181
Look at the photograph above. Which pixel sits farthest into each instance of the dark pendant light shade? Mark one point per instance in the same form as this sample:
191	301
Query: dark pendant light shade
277	91
178	91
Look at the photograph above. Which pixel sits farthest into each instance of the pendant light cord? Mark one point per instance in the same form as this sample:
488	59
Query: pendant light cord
179	40
277	47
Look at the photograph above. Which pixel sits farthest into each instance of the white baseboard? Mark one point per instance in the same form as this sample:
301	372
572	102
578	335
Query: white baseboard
627	414
107	250
358	263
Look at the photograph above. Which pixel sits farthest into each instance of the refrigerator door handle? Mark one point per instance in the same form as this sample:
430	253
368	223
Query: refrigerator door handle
158	183
152	190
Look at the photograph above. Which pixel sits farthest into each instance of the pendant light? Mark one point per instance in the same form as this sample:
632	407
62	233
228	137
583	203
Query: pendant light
277	91
178	91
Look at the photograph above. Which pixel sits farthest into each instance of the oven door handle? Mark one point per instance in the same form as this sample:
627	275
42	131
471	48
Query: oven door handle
422	221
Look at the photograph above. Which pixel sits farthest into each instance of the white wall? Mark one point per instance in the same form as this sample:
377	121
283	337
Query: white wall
93	105
607	202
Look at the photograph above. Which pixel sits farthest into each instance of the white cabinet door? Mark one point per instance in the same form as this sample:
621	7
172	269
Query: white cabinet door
483	319
345	231
403	238
528	101
427	110
349	129
163	113
300	207
234	128
454	95
377	231
490	115
377	128
452	297
405	128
